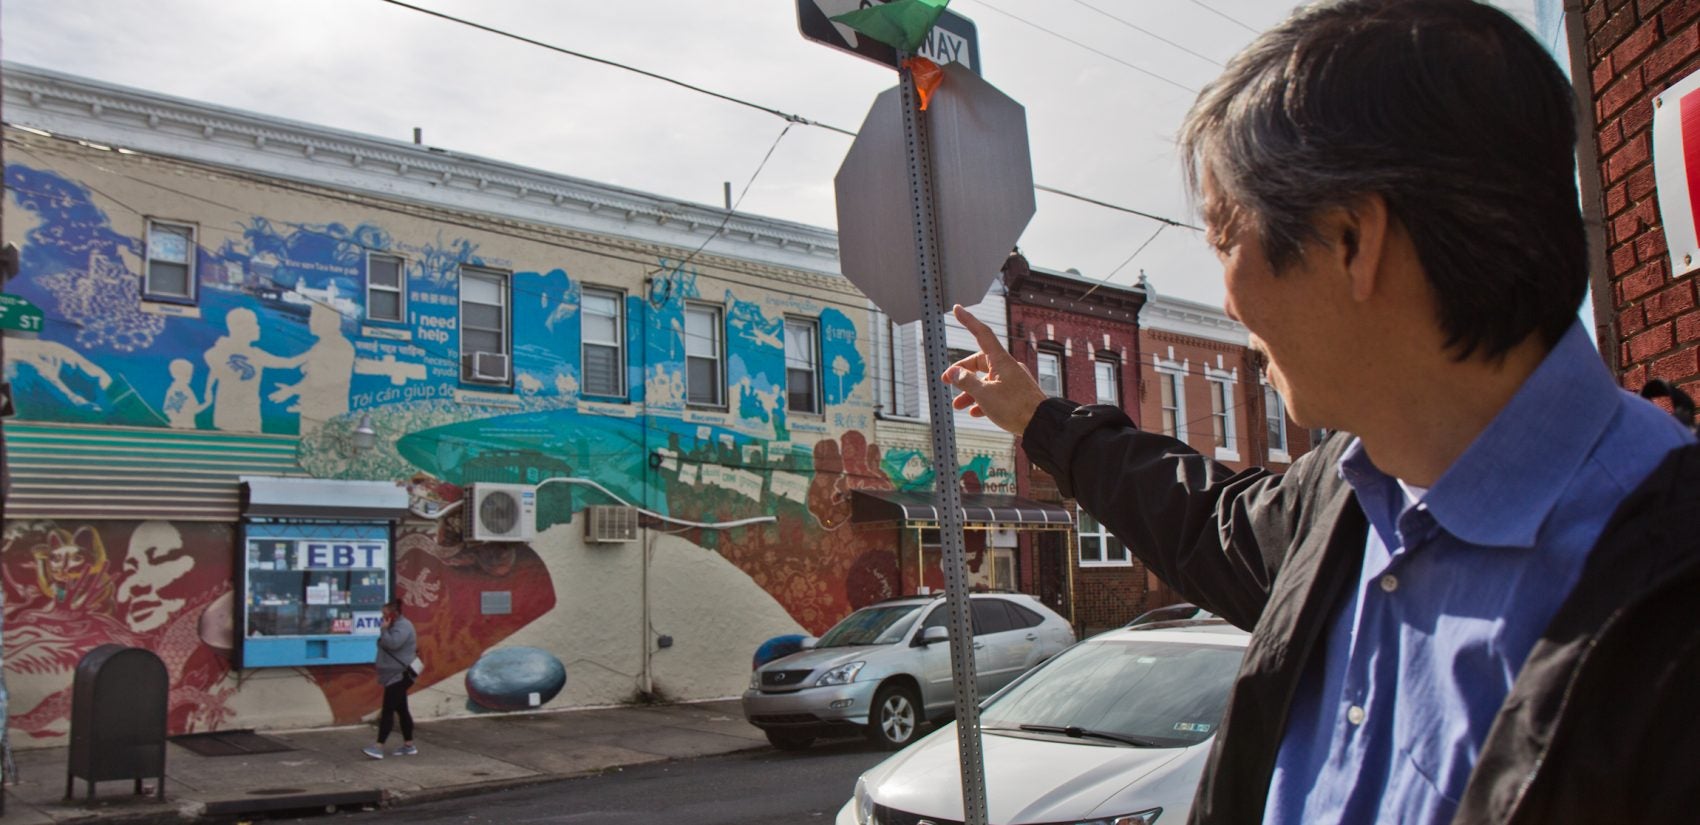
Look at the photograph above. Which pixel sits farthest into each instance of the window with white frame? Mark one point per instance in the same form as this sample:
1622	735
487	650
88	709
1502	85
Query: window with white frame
386	298
1275	421
1105	372
170	262
484	322
705	383
1050	373
1098	546
1219	413
1171	390
802	365
603	342
1223	420
901	388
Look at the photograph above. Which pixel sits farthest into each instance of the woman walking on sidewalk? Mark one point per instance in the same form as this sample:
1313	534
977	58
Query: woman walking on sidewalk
397	650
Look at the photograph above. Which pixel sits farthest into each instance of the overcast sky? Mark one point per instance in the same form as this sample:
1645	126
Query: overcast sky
1103	99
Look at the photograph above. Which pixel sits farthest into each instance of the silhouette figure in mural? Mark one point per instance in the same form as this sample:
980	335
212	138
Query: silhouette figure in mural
181	403
327	370
51	360
234	367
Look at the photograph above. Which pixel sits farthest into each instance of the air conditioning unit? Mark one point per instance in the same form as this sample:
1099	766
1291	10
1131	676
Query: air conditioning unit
503	512
610	524
486	366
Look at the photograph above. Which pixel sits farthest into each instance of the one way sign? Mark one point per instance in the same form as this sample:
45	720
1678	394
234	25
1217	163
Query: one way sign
953	40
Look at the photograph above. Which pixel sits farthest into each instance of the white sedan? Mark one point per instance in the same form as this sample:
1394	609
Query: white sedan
1113	731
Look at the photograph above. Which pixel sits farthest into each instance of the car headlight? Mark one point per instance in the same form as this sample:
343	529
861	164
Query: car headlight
1141	818
755	679
841	675
863	809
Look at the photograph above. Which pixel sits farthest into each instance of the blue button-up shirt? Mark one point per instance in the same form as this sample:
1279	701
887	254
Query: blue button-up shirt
1458	583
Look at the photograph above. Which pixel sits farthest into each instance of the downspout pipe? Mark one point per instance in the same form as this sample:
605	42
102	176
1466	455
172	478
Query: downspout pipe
1592	189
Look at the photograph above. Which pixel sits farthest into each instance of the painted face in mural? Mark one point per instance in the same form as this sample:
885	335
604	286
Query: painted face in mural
149	569
65	559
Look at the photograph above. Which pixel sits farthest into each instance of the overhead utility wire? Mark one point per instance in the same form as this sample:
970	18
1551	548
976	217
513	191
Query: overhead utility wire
733	209
1101	53
788	117
618	65
1149	33
1147	215
1225	16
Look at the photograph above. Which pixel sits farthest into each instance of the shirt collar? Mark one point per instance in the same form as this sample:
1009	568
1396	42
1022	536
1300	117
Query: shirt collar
1501	490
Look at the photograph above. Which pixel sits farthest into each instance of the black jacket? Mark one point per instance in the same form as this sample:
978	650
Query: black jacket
1601	725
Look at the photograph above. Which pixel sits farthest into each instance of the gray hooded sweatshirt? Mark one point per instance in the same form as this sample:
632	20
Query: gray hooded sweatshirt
397	646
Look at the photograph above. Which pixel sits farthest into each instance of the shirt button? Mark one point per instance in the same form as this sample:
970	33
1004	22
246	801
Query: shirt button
1389	583
1355	715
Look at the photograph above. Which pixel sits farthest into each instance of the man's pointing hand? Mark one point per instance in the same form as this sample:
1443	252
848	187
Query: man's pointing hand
991	382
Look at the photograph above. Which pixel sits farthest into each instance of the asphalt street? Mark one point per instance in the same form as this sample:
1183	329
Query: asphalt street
753	788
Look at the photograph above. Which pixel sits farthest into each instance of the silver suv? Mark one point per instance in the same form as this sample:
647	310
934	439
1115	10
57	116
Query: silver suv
885	669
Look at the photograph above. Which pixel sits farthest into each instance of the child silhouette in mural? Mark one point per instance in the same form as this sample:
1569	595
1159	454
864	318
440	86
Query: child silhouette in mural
181	403
234	367
327	370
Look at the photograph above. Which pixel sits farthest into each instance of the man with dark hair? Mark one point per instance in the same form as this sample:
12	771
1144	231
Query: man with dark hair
397	651
1475	602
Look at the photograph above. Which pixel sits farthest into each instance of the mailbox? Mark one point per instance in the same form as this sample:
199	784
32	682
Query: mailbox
118	718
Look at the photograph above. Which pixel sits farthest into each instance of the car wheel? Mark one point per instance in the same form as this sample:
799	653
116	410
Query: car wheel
790	740
895	716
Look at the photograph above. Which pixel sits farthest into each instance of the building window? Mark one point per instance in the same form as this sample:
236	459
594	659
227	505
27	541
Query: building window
704	384
1050	373
1104	374
1172	388
171	262
1275	420
1219	413
602	348
484	323
802	366
1098	546
386	297
1222	419
902	386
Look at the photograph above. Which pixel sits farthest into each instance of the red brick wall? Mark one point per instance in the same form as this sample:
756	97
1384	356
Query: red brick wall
1252	439
1103	596
1635	50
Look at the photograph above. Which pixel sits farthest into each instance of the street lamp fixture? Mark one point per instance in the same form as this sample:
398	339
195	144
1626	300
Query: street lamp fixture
364	436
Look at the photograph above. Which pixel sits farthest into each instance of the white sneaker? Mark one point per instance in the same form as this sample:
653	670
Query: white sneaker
373	751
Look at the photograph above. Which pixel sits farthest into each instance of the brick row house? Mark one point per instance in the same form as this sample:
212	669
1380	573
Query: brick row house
1176	366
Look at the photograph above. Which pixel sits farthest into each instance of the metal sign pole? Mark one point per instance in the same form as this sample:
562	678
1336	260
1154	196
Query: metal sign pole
943	420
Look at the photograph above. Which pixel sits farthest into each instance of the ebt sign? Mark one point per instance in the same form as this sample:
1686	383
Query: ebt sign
318	554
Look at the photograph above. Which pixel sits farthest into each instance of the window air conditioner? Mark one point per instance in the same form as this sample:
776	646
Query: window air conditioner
609	524
503	512
486	366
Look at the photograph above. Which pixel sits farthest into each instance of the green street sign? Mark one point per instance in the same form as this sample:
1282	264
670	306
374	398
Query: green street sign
19	314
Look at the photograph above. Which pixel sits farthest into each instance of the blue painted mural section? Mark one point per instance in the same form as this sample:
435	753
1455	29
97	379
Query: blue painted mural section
278	341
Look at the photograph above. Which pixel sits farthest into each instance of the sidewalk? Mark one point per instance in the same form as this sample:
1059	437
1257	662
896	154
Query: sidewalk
325	767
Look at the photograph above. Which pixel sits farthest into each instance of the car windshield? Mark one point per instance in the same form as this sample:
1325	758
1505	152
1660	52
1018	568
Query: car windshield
1163	693
871	626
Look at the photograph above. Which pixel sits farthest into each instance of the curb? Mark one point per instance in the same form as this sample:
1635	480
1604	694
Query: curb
395	799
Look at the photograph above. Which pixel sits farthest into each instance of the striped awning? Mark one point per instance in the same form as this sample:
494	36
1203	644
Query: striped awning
874	506
63	471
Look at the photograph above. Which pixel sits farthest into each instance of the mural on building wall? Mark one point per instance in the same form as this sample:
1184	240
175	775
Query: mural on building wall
440	580
278	342
72	587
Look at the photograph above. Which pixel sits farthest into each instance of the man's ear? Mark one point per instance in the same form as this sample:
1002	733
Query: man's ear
1357	235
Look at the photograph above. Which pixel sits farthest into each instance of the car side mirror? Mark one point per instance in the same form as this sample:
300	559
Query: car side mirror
935	634
808	643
